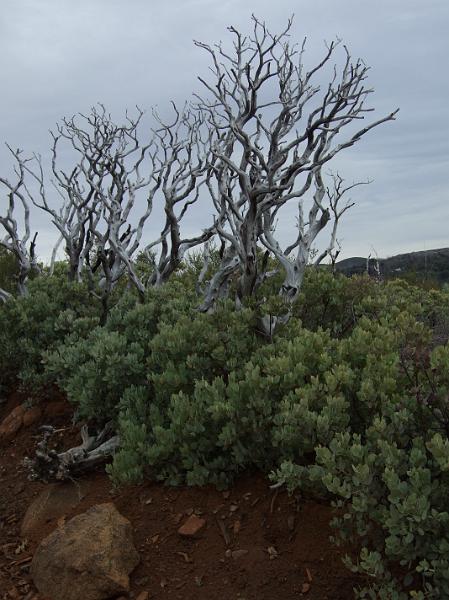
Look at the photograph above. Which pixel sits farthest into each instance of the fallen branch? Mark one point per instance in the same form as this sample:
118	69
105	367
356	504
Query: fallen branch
48	465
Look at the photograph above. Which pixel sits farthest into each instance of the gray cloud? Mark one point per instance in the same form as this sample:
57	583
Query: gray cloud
59	57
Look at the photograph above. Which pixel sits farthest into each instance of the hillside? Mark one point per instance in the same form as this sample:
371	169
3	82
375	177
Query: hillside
425	265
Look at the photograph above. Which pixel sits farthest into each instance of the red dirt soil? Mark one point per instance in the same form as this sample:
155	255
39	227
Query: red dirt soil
285	540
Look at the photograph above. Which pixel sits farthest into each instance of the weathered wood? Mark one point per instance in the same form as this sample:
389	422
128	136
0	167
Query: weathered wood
273	129
48	465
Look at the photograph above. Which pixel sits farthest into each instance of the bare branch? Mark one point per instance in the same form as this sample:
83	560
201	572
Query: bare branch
17	238
272	129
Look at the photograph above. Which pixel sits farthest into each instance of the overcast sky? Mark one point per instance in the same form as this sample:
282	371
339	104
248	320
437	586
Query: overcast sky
59	57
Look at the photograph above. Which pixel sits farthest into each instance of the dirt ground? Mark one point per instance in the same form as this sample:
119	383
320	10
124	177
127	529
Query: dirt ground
257	543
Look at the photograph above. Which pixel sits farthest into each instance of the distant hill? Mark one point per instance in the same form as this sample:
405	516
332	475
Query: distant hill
431	265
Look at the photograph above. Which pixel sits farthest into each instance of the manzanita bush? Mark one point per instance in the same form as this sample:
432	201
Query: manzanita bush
349	401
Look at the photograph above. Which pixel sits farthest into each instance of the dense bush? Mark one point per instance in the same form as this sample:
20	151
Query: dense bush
290	396
8	271
162	345
392	486
31	325
349	400
356	411
388	470
96	368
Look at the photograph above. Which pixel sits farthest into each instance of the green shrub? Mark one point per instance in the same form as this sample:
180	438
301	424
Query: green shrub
32	325
9	271
389	469
96	368
392	487
349	400
203	425
199	346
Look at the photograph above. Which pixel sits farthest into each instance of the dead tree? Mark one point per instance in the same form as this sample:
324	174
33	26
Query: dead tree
273	130
72	215
115	183
334	196
107	178
18	238
182	162
99	195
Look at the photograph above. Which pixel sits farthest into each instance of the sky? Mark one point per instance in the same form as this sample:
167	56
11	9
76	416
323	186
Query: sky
60	57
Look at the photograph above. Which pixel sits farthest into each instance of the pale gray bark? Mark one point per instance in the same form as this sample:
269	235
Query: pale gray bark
272	131
182	162
4	295
100	235
48	465
334	195
17	238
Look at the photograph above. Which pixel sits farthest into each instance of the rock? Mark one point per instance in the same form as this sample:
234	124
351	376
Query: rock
12	423
53	503
305	588
192	526
32	415
90	557
143	596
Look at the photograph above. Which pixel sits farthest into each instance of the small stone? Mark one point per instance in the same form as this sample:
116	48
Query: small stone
233	508
143	596
149	501
228	553
192	526
305	588
239	553
236	527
